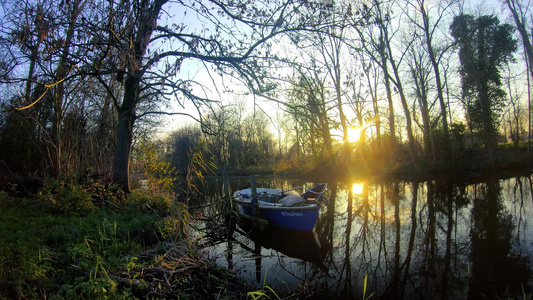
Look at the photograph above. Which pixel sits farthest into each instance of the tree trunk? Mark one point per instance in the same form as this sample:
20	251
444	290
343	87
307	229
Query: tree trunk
483	97
59	88
126	119
420	78
324	126
392	131
375	106
424	111
438	81
126	112
399	86
297	132
344	123
332	62
408	126
335	72
31	70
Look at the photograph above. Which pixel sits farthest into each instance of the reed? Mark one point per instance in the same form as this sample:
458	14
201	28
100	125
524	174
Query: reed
264	292
365	285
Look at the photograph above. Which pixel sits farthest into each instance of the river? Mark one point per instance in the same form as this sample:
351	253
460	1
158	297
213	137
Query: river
437	239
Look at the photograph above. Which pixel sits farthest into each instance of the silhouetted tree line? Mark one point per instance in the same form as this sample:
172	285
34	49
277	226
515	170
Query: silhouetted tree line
242	143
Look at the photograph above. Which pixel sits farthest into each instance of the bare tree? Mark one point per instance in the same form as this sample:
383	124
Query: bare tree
309	105
357	99
383	22
513	114
331	47
45	39
380	49
519	11
430	29
372	45
418	66
371	71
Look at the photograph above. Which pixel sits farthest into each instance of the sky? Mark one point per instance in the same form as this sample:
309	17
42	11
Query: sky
215	85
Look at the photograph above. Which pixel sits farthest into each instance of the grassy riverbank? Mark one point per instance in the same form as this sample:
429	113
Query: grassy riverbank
85	241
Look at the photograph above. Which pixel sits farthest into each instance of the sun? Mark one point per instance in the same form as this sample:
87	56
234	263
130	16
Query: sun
353	134
357	188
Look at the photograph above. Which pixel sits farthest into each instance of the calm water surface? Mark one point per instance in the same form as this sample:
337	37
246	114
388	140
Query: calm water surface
440	239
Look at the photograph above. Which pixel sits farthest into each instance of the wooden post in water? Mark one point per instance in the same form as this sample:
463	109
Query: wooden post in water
225	180
315	236
229	217
253	203
253	187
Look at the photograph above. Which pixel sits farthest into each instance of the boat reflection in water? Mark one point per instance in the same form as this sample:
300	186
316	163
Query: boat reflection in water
303	245
259	254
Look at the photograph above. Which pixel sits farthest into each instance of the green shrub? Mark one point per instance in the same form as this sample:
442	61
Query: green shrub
80	195
142	200
176	225
92	288
65	196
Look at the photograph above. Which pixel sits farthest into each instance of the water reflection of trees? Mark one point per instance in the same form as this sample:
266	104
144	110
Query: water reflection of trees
435	239
427	239
496	270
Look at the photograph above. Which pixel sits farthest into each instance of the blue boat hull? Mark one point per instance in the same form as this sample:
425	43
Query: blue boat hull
297	218
282	209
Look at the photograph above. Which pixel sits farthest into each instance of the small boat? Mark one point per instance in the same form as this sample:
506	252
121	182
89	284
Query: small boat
280	208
